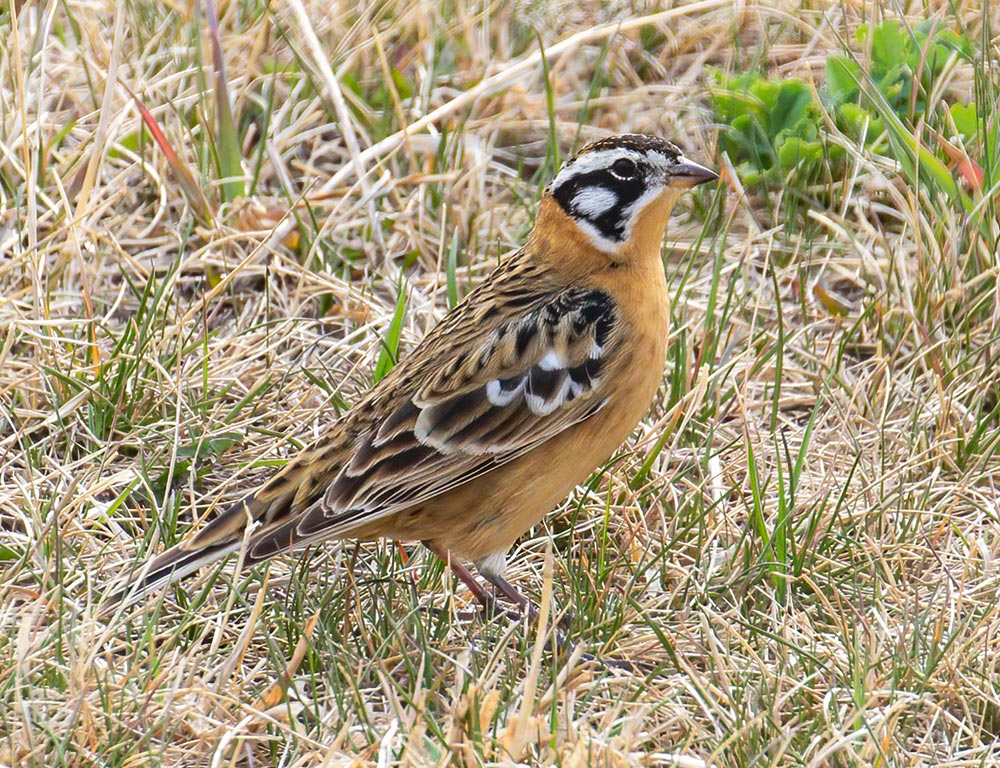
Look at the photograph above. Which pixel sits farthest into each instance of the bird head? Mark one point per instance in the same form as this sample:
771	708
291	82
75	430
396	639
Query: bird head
620	190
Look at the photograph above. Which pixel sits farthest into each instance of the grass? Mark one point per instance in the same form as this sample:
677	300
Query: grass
798	544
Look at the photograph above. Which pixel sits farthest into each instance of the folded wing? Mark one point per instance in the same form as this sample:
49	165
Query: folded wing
526	368
448	421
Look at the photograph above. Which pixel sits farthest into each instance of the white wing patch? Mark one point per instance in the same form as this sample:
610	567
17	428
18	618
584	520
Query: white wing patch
501	397
548	384
552	361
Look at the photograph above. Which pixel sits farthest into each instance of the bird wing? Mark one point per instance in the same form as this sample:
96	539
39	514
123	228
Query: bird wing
455	410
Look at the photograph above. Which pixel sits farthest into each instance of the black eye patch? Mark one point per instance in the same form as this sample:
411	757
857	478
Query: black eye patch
609	222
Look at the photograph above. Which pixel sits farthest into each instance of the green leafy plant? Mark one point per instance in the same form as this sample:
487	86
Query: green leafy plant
905	63
774	130
935	141
773	127
886	104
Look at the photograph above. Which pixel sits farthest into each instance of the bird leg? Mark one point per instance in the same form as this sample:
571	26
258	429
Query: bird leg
484	596
508	590
500	585
491	569
560	639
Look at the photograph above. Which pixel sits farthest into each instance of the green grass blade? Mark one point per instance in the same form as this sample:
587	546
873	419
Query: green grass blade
227	145
390	344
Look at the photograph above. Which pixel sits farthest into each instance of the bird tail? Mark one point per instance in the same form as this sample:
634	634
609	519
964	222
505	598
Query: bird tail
220	537
166	568
288	489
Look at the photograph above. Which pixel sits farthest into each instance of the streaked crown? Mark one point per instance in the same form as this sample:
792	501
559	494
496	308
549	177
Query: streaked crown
609	182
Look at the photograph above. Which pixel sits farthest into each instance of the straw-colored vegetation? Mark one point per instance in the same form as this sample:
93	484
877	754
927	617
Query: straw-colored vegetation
798	547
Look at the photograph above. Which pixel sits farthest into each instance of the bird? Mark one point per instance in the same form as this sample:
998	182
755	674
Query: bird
526	386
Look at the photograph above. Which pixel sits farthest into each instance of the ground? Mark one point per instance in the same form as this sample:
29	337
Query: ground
796	550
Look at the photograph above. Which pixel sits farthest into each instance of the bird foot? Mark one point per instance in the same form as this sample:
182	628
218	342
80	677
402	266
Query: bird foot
560	639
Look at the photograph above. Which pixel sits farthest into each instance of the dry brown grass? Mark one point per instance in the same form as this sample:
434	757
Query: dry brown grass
152	367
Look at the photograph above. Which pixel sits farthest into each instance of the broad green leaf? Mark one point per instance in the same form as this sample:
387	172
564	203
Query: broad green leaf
793	152
792	103
857	120
841	79
966	120
888	44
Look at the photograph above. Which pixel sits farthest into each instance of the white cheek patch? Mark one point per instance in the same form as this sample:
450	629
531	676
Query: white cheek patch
593	201
600	242
629	215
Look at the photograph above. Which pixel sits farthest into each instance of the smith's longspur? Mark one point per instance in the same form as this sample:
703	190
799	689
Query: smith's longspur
511	400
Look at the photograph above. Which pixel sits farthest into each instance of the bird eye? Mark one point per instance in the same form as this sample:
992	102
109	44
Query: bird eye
624	169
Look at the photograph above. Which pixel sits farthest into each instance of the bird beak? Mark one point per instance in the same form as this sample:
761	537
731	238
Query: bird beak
685	174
